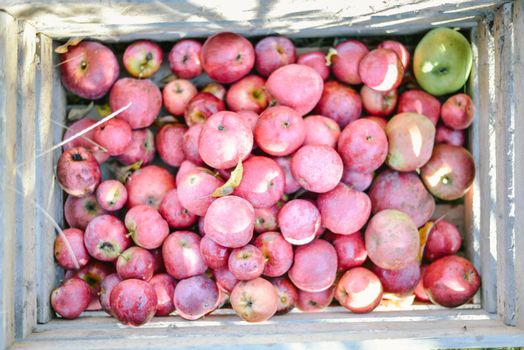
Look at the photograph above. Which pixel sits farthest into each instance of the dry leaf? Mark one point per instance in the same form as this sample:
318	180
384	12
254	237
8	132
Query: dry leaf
123	172
424	232
396	300
76	113
103	110
233	182
71	42
329	57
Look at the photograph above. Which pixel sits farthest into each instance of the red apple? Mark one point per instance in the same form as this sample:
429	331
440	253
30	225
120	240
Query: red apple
291	184
262	182
148	186
184	59
227	57
141	149
296	86
392	240
359	290
450	136
114	135
71	298
133	302
321	131
401	281
215	89
317	61
273	52
145	99
195	189
146	226
248	94
351	250
418	101
379	103
458	112
278	253
177	94
382	122
344	210
451	281
255	300
174	213
169	143
93	273
315	266
190	144
317	168
356	180
340	103
106	287
266	219
444	239
402	191
287	294
381	70
78	211
363	146
215	256
225	140
75	239
399	49
250	117
89	69
195	297
246	263
226	281
143	58
85	140
202	106
78	172
449	173
420	291
299	221
106	238
346	61
135	262
181	253
280	131
315	301
229	221
111	195
165	291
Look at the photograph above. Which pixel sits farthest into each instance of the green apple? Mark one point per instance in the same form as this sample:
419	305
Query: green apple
442	61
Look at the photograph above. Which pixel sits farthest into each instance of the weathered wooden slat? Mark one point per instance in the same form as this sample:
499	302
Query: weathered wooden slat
25	301
484	139
8	63
168	20
505	153
50	105
421	329
518	29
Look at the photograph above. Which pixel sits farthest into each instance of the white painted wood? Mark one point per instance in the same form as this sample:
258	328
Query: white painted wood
8	67
25	300
422	329
168	20
505	153
483	146
518	41
50	105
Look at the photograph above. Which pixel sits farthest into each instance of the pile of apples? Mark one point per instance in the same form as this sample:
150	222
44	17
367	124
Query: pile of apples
286	181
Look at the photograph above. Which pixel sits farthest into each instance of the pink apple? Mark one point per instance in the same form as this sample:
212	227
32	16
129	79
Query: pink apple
190	143
317	61
106	287
314	301
444	239
278	253
401	281
358	181
246	263
111	195
148	186
169	144
78	172
215	256
164	286
458	112
317	168
226	281
227	57
184	59
146	226
143	58
266	219
399	49
340	103
195	189
174	213
450	136
359	290
255	300
135	262
287	294
202	106
145	99
106	238
114	135
78	211
181	253
250	117
195	297
321	131
248	94
66	258
378	103
299	220
291	184
86	140
418	101
215	89
177	94
89	69
273	52
296	86
381	70
71	298
141	149
346	61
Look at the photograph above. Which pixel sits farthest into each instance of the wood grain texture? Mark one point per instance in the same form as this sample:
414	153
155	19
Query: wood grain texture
505	134
483	143
447	328
168	20
25	301
8	67
50	105
518	30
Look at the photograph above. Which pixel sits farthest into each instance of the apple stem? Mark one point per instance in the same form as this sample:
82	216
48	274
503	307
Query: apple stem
50	218
78	134
103	149
68	60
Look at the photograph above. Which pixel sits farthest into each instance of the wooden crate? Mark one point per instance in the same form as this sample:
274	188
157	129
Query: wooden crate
31	96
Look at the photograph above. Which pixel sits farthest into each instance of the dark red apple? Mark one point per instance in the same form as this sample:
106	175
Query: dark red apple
402	281
444	239
133	302
351	250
